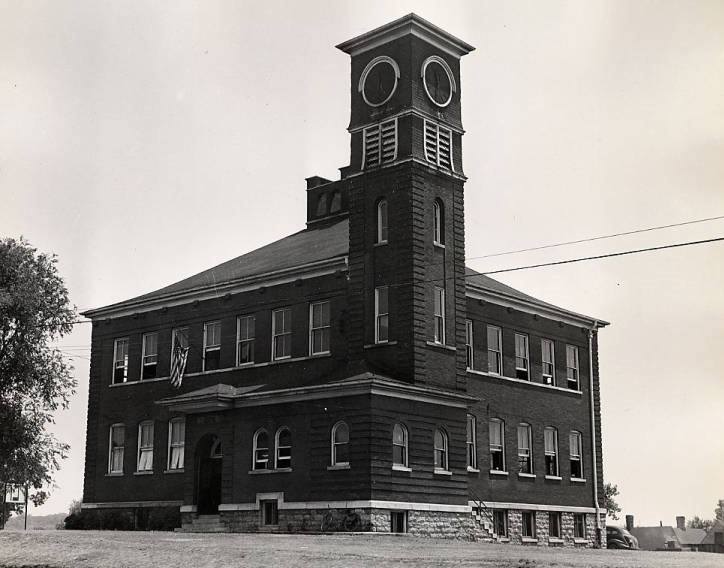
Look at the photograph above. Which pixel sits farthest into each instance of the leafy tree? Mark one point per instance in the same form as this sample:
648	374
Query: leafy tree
610	492
35	379
698	523
719	511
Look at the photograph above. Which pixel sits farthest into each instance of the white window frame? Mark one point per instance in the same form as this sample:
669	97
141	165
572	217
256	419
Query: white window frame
404	445
441	450
180	445
548	378
144	355
471	441
525	453
277	457
209	348
320	329
552	452
382	315
247	340
497	354
383	228
576	456
522	360
142	450
112	450
439	315
124	361
335	443
572	370
276	336
256	449
438	223
469	345
497	448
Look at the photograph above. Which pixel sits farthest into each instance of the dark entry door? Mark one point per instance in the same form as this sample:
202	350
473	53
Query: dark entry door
209	486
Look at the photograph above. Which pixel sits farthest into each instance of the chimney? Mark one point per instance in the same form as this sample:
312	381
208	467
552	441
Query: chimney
681	523
316	181
629	522
661	523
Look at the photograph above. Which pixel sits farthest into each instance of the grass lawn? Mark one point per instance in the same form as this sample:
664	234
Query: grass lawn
109	549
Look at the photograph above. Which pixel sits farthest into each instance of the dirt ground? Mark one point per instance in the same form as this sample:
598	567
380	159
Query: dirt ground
42	549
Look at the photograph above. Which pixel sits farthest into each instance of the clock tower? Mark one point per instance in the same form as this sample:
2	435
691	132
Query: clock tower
406	209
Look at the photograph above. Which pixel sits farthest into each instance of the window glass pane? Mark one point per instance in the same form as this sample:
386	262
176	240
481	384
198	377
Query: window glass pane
118	433
398	435
182	334
523	437
493	338
341	434
496	433
549	436
382	300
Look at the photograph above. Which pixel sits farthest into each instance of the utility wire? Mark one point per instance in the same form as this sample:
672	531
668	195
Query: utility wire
599	238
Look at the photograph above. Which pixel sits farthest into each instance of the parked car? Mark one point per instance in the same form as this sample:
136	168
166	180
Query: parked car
617	537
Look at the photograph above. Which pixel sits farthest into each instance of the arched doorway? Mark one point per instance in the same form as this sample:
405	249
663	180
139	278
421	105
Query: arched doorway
208	475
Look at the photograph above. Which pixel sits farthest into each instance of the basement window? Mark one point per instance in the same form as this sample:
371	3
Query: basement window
398	521
554	525
500	522
528	524
579	525
269	513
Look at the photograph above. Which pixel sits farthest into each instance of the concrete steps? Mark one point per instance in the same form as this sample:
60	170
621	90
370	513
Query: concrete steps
204	524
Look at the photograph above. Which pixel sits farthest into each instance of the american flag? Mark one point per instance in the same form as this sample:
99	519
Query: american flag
178	362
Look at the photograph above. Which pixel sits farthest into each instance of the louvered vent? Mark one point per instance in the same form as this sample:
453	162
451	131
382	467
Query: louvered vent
380	144
438	145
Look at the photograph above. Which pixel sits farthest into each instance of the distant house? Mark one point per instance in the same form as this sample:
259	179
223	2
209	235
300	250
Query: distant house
670	538
714	539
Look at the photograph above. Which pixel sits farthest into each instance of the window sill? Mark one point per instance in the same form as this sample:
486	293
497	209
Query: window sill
519	381
529	539
401	468
172	471
266	471
115	474
146	472
440	346
498	472
438	245
320	354
503	539
338	466
380	244
554	477
439	471
555	540
473	470
578	480
527	475
580	540
380	344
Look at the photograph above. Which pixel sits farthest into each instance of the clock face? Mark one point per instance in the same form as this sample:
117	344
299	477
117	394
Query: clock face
380	82
438	83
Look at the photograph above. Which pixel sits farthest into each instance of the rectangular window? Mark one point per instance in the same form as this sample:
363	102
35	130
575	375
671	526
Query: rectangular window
525	455
381	314
270	513
212	345
549	361
120	361
380	144
500	523
245	337
551	451
439	315
438	145
398	521
528	524
176	443
116	447
572	367
495	352
471	442
145	447
497	445
554	525
281	334
469	351
576	455
149	357
319	322
522	364
579	525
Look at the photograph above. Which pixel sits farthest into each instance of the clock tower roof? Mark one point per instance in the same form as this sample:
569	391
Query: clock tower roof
411	24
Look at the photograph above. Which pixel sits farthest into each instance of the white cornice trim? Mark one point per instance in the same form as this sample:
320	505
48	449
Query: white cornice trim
357	504
274	278
522	382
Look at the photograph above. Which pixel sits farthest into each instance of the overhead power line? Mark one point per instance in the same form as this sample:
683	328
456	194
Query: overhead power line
597	257
599	238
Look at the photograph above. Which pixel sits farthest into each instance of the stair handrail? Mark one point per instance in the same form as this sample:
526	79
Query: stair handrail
481	507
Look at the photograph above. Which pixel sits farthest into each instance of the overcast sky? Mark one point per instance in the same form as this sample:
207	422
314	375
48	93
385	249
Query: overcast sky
143	142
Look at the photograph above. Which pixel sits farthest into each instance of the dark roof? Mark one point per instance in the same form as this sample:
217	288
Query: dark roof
653	538
307	247
710	538
690	536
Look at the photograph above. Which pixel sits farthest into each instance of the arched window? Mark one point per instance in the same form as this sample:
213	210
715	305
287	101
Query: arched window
144	459
261	449
525	453
471	442
438	223
176	443
497	444
116	447
322	205
340	444
336	204
440	449
399	445
576	451
283	443
550	437
382	221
